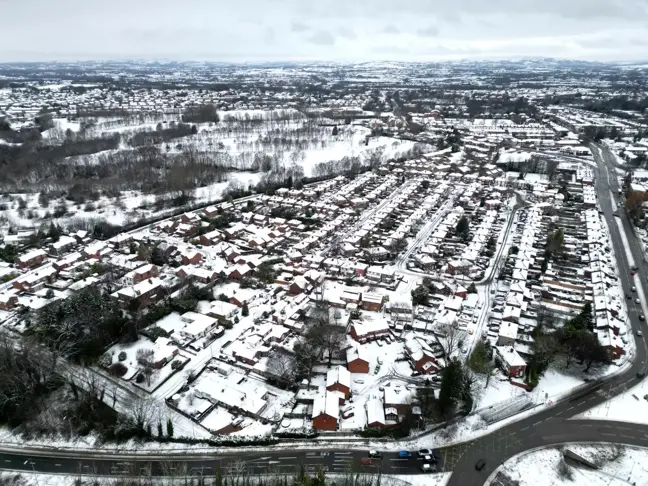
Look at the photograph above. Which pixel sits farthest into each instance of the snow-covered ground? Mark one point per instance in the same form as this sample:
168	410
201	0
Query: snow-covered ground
37	479
617	466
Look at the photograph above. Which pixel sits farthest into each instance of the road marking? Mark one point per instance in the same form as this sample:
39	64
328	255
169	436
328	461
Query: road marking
570	408
627	436
7	460
399	460
538	422
608	435
343	453
525	427
57	465
287	458
585	425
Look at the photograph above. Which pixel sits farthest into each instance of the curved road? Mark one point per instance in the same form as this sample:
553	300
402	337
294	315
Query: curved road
548	427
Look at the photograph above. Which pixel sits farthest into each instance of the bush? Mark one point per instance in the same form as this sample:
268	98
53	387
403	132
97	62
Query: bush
175	365
122	356
117	369
105	360
139	378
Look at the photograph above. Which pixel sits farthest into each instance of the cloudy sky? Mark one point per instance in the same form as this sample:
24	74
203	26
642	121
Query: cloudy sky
336	30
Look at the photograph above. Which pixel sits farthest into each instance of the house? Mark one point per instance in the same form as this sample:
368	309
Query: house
397	397
222	310
68	260
211	238
380	274
372	302
357	359
142	273
197	274
375	412
238	272
507	334
63	245
31	259
33	281
510	361
197	325
190	256
363	331
8	300
421	355
163	352
339	379
146	293
326	411
299	285
351	297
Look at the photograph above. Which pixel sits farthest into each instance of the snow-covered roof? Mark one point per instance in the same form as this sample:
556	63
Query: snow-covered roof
326	403
340	375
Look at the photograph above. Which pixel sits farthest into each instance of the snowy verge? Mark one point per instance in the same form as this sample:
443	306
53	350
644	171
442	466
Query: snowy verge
617	465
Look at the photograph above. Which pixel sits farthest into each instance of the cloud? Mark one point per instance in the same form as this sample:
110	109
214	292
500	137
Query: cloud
391	29
322	38
346	33
431	31
299	27
253	29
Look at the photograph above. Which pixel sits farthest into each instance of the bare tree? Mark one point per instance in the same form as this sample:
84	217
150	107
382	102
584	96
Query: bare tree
450	338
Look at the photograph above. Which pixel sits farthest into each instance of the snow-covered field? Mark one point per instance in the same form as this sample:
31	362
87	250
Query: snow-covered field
617	466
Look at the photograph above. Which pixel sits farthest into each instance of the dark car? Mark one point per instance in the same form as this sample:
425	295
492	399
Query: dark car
481	464
366	461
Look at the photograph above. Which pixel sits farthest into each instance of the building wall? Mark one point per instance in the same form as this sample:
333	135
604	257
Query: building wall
325	422
341	388
358	366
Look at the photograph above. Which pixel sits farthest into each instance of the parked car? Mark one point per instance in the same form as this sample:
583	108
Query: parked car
637	301
375	454
366	461
425	452
639	333
641	317
416	373
480	465
404	454
634	289
428	468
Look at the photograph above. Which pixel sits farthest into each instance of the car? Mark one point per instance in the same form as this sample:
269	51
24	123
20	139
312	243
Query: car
639	333
628	296
436	379
416	373
633	272
634	289
641	374
425	452
641	317
464	350
480	465
366	461
428	468
637	301
375	454
404	454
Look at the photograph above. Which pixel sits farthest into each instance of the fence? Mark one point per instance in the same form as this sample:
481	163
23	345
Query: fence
504	409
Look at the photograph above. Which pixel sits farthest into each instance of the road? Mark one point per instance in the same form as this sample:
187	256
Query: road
546	428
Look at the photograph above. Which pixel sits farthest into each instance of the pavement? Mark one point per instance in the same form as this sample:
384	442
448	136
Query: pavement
549	427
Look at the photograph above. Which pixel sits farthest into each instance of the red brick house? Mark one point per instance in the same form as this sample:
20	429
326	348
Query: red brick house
510	361
298	286
372	302
31	259
421	356
339	379
357	359
326	411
